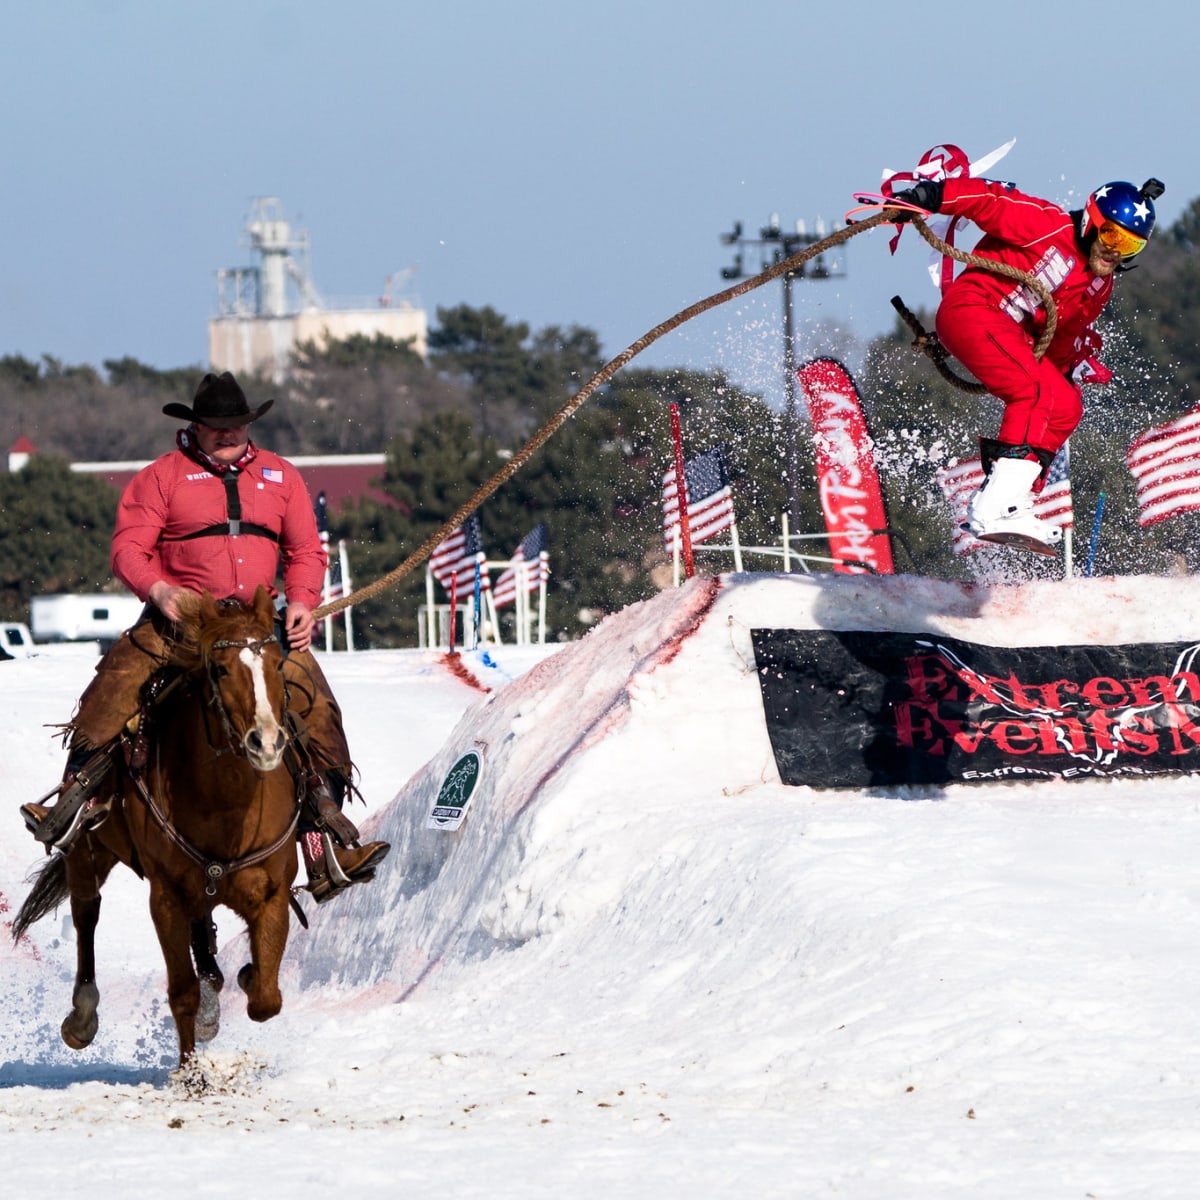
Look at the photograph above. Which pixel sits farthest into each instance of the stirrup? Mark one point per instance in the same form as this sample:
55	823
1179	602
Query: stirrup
334	880
323	810
57	827
87	814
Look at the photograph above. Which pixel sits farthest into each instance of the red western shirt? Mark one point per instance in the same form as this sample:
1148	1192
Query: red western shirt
175	496
1039	238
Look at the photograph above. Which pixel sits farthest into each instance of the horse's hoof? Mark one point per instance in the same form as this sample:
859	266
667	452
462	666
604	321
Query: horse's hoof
79	1036
81	1023
208	1015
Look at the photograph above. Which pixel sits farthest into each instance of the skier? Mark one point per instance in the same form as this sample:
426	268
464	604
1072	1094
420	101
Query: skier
991	324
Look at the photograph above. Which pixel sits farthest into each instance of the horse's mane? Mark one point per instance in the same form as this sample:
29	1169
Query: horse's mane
200	631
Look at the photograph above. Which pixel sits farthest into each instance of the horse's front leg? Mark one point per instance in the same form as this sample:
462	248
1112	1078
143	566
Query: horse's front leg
173	925
208	1016
87	866
259	978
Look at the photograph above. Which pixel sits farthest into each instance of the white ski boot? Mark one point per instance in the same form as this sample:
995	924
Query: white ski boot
1001	510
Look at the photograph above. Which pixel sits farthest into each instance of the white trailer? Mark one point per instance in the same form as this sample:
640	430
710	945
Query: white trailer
75	618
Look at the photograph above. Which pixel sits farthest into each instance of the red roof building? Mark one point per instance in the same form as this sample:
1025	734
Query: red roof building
344	478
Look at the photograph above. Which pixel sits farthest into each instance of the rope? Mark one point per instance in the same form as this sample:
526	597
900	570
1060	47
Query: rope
606	372
784	267
929	343
999	268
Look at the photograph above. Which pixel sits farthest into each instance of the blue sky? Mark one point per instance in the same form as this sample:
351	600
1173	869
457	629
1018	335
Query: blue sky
564	163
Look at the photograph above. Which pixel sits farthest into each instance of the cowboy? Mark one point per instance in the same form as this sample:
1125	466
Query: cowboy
217	514
991	323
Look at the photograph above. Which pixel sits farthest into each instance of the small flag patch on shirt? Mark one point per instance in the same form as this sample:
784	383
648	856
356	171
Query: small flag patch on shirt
272	476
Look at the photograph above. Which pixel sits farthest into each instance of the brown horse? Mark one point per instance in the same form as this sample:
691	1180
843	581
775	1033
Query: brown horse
208	820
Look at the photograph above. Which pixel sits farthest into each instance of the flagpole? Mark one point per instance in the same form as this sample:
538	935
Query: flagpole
431	637
1069	532
544	559
737	548
1091	558
475	611
347	589
524	613
681	496
325	597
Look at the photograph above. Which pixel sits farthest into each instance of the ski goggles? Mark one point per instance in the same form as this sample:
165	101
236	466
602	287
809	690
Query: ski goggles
1117	238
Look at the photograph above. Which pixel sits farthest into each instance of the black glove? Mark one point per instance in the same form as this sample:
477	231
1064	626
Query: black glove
926	194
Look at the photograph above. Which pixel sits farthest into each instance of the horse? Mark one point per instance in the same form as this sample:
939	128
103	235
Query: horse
208	819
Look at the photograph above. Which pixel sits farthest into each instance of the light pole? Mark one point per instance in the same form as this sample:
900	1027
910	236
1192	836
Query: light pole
775	245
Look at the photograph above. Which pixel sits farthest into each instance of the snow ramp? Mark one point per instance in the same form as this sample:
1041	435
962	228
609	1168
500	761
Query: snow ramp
645	731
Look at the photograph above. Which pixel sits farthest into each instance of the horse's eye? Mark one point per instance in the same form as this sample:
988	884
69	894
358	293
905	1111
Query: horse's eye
219	671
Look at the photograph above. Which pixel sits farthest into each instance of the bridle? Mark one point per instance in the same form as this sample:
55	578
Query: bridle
233	744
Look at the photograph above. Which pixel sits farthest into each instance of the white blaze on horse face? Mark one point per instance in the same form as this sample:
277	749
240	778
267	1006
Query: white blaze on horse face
271	740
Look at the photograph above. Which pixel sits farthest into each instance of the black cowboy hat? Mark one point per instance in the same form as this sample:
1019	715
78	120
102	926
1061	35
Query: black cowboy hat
219	403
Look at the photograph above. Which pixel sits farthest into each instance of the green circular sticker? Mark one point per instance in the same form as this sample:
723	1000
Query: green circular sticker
456	791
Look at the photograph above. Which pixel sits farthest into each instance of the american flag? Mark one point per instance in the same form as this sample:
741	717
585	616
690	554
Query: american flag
531	552
709	499
457	556
1165	465
1052	504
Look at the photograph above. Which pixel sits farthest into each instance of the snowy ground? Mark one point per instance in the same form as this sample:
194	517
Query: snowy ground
644	968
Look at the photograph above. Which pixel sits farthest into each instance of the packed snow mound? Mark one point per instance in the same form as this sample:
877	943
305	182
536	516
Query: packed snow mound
617	714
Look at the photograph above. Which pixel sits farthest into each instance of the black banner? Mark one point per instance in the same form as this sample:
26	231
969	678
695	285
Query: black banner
850	709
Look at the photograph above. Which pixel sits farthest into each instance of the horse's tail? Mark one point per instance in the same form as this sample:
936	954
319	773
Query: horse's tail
49	890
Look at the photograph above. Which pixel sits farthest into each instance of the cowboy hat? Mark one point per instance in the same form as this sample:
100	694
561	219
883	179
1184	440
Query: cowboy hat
219	403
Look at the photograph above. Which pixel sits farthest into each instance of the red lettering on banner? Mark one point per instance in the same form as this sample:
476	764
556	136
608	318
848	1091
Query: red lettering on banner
1182	725
1015	737
1094	719
928	676
1158	689
914	728
847	479
1105	693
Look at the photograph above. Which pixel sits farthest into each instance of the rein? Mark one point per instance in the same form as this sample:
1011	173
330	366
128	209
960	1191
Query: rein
216	869
786	266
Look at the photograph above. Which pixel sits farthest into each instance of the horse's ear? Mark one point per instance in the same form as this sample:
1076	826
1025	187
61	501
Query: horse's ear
208	606
264	606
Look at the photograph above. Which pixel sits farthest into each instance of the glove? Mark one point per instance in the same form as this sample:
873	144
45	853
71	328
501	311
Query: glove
926	194
1088	368
1091	370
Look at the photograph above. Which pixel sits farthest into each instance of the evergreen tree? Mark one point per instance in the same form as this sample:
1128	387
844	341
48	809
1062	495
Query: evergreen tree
55	533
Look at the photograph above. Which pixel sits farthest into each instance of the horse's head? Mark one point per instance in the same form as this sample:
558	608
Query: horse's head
236	648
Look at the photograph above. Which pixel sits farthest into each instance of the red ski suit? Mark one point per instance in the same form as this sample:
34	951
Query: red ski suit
990	323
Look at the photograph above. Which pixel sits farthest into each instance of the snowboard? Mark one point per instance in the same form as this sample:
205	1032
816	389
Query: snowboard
1019	541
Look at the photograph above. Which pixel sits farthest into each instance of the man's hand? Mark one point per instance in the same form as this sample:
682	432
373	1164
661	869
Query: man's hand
926	194
299	624
165	597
